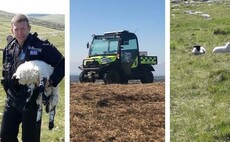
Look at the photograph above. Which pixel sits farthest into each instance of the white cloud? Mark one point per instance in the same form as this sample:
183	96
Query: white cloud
34	6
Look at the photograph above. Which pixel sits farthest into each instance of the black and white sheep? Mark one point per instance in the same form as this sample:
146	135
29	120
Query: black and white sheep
197	50
35	74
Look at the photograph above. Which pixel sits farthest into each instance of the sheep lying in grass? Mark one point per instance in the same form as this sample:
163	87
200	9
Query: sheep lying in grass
197	50
222	49
36	73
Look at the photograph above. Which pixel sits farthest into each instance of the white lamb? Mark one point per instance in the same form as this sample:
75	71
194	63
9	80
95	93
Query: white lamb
222	49
197	50
36	73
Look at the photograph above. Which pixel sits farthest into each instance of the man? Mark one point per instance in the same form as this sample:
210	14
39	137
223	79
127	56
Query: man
24	47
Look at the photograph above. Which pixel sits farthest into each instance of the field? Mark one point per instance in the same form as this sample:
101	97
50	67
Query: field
199	85
57	38
132	112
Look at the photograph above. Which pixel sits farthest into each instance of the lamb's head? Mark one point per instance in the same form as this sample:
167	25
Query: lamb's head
15	82
227	45
197	47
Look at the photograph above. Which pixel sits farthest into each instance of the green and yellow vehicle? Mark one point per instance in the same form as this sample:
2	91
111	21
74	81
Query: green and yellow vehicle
115	58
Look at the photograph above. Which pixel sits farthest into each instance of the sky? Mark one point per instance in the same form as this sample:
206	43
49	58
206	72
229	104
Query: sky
146	18
34	6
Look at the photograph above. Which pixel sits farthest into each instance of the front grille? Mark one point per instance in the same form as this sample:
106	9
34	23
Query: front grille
90	64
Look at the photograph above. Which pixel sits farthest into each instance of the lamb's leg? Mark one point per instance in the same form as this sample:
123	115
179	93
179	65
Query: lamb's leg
39	112
42	84
52	105
51	118
30	91
46	102
41	89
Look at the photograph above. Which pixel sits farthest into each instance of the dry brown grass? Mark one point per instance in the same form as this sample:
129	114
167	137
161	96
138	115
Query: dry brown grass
133	112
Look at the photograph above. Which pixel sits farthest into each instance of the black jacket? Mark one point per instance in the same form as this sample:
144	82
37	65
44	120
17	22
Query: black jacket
36	49
33	49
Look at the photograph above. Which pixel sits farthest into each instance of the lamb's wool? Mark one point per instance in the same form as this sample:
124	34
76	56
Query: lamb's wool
31	73
222	49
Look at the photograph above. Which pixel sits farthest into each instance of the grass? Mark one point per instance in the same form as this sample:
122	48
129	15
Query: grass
57	18
57	38
199	84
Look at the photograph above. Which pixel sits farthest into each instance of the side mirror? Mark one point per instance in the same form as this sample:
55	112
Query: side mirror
87	45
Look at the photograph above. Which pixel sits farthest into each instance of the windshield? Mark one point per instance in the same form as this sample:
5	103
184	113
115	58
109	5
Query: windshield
103	46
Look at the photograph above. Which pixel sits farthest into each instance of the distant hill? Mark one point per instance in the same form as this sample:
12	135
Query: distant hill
54	18
53	21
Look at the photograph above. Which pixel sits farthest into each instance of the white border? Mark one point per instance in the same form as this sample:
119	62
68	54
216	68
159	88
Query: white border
67	71
167	70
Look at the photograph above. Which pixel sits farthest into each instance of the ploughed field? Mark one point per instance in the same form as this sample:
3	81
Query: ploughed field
132	112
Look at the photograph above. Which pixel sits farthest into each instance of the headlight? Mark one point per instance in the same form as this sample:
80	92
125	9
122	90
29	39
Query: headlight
105	60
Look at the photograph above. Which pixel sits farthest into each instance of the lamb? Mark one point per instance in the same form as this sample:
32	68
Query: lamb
197	50
222	49
36	73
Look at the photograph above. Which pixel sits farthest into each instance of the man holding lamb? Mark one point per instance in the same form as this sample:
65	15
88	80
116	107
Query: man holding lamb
25	46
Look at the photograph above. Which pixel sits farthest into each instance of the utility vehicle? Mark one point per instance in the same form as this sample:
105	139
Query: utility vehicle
115	58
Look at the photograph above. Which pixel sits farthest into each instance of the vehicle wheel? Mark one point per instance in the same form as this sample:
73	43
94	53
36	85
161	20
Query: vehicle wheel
147	77
83	79
92	80
124	80
111	77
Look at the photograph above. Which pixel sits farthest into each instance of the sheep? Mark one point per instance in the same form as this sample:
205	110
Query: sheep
36	73
222	49
197	50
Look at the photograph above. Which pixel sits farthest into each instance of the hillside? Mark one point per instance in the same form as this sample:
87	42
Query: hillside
115	112
54	18
199	92
46	20
57	37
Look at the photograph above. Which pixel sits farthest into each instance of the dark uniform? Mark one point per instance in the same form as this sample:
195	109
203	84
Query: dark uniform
13	56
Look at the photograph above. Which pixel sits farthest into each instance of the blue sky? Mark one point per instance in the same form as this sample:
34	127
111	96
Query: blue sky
146	18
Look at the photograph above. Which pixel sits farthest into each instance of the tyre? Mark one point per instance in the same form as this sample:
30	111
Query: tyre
111	77
83	79
124	80
92	80
147	77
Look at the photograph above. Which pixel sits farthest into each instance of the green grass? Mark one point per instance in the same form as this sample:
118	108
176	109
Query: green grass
57	38
57	18
199	88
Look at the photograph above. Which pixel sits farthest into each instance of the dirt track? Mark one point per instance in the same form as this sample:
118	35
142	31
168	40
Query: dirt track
133	112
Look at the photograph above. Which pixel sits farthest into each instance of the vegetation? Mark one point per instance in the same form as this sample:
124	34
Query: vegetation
199	85
55	18
56	37
116	112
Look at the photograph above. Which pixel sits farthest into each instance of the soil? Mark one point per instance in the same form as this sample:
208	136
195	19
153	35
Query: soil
132	112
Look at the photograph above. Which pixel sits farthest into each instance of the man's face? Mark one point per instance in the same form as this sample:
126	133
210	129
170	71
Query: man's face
20	31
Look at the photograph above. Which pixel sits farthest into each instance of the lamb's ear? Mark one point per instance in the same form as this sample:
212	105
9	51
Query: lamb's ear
227	45
14	76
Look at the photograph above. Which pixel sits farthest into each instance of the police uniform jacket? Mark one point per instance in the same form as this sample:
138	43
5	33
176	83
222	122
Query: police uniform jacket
33	49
